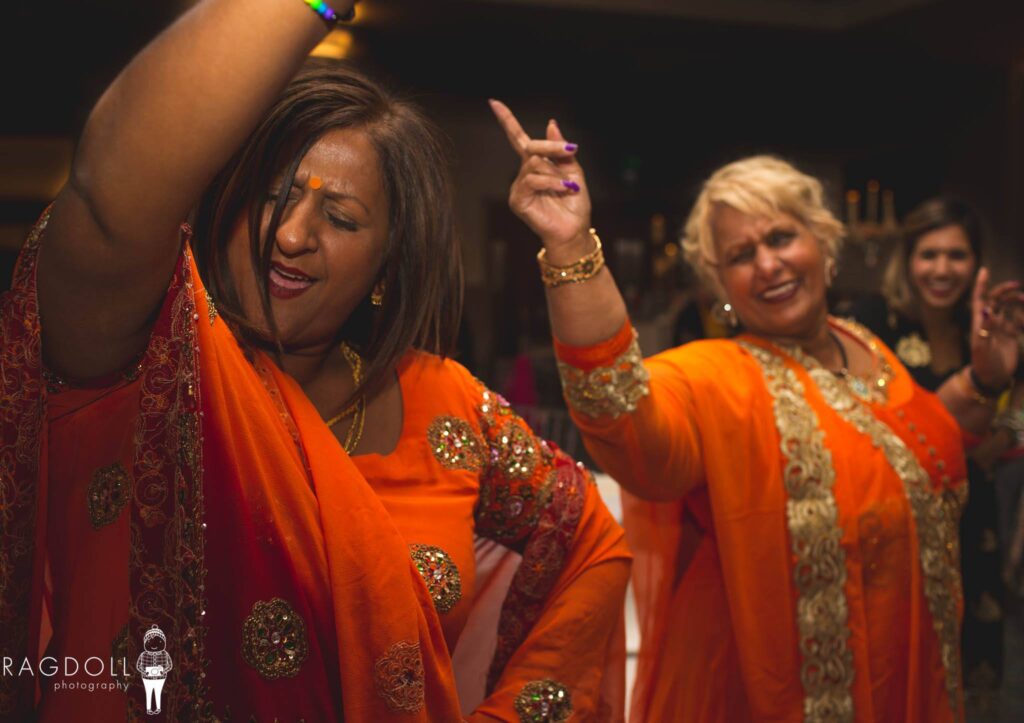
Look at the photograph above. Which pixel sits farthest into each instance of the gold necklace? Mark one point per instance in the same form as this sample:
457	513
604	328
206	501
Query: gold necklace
357	409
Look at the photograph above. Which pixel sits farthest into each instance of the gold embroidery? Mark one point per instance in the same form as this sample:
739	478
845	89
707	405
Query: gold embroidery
107	494
119	657
615	389
914	351
441	575
211	308
274	639
935	517
455	444
516	451
815	536
543	701
398	675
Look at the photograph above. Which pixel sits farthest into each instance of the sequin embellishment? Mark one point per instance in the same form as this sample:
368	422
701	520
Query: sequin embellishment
514	452
455	444
398	676
107	494
541	701
211	308
441	575
274	639
914	351
615	389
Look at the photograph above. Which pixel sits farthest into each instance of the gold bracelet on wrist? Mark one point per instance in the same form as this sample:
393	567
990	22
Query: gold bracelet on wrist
971	387
584	269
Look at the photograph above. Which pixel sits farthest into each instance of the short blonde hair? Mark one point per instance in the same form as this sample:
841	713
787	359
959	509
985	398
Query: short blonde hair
759	186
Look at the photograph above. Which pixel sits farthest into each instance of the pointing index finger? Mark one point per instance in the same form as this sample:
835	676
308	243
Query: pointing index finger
517	137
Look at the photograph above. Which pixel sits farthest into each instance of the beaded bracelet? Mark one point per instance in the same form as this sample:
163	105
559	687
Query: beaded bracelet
582	270
328	15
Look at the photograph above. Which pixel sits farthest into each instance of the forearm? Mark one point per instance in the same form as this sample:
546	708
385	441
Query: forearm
586	313
182	107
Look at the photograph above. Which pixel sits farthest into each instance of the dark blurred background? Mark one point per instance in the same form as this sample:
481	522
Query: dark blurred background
909	97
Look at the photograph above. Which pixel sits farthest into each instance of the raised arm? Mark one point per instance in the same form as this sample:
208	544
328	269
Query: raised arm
636	421
997	320
550	196
157	136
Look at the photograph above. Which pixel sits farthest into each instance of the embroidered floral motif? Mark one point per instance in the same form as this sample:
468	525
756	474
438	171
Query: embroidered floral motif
21	415
615	389
167	571
914	351
274	639
935	517
107	494
398	676
455	444
441	575
542	701
819	575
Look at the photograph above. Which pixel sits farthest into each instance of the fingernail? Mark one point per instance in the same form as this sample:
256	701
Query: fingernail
572	186
571	147
985	313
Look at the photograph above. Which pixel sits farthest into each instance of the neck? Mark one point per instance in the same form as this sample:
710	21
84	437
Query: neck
324	375
935	320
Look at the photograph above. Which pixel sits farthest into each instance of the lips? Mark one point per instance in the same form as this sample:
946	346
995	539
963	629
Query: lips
285	282
780	292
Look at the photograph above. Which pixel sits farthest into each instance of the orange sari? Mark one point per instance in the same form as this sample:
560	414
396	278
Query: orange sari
807	569
526	566
279	584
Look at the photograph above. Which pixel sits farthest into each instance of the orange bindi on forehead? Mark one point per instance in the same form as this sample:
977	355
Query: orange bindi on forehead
315	182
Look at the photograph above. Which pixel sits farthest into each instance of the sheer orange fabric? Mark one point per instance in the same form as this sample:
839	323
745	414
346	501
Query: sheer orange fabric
281	585
806	569
532	580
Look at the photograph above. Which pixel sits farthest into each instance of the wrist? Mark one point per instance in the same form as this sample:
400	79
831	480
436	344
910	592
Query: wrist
566	252
984	388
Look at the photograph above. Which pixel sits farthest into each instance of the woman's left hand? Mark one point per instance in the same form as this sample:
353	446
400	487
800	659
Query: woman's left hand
997	319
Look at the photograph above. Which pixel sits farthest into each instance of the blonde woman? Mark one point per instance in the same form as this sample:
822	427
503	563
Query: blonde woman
796	552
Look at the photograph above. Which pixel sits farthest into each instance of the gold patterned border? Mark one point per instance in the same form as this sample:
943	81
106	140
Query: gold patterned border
936	528
615	389
820	570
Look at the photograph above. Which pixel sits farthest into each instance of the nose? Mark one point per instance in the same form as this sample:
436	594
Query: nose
295	233
942	265
766	260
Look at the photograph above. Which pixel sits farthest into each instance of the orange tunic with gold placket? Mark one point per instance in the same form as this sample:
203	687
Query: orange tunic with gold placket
806	566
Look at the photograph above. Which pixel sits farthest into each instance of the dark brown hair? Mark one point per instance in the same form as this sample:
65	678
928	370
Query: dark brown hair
928	216
422	266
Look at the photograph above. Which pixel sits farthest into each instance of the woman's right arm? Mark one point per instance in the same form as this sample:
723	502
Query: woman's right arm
639	429
157	136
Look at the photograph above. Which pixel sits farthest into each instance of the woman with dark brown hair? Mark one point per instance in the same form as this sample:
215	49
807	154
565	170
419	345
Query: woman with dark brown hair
219	398
924	315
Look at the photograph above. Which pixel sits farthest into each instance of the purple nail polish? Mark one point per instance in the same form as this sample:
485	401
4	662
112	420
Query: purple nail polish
572	186
985	313
571	147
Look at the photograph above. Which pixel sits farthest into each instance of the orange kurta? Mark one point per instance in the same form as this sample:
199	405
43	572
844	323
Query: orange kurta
527	567
803	565
206	496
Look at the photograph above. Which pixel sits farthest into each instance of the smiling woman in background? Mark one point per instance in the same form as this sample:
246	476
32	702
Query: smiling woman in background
795	539
924	315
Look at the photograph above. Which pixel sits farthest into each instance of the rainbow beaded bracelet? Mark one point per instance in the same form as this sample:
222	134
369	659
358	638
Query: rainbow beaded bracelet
324	10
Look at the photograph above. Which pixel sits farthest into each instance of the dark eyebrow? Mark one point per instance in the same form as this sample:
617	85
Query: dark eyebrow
345	197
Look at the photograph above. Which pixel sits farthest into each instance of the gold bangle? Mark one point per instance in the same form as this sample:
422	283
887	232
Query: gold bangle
584	269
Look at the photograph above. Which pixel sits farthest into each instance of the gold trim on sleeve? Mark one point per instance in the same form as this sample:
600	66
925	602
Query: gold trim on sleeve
613	390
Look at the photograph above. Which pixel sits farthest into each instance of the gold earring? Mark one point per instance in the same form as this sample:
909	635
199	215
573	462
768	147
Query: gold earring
377	295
